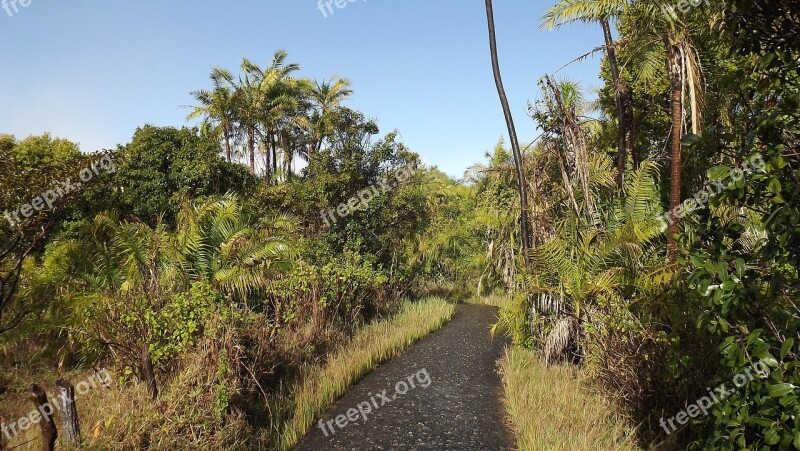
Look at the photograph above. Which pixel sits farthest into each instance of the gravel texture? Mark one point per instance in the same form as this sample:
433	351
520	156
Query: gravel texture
454	402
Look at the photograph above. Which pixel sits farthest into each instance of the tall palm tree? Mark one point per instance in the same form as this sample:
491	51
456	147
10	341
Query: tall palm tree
218	106
602	11
247	114
519	164
326	96
667	36
275	103
293	125
659	33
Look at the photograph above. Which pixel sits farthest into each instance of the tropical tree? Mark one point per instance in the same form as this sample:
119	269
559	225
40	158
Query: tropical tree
216	243
518	162
218	106
275	105
602	12
658	33
137	278
326	96
584	274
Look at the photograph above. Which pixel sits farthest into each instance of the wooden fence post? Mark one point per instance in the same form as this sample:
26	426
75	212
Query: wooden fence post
148	374
2	435
70	428
46	424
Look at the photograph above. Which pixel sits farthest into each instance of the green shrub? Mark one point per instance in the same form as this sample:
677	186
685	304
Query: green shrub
179	324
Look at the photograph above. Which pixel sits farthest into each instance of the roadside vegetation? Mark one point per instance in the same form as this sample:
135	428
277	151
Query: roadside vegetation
553	409
113	416
663	236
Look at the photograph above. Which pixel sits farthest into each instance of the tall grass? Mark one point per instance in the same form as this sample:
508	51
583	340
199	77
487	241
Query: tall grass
495	299
550	408
371	346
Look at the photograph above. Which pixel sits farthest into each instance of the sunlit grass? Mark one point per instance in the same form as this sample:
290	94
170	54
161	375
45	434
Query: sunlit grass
373	345
552	409
494	299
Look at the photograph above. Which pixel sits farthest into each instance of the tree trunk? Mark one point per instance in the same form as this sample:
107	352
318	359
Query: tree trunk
227	145
70	428
522	186
675	69
268	151
148	374
318	145
624	98
46	424
251	143
275	160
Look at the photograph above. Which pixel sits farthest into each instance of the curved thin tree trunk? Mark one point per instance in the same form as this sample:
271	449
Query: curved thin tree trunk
675	69
624	98
518	162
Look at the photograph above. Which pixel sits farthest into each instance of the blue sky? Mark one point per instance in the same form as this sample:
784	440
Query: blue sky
93	71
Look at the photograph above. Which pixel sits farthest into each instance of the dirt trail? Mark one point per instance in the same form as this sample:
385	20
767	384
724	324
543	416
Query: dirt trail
442	393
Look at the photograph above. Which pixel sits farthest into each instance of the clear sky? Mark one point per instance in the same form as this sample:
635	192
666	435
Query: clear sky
93	71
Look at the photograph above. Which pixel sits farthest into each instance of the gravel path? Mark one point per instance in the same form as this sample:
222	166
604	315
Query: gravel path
442	393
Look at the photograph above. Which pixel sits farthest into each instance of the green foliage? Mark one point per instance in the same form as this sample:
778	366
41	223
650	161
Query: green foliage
233	282
177	326
222	396
163	167
744	251
347	290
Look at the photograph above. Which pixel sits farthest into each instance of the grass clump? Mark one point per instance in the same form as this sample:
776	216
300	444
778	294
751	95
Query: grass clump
550	408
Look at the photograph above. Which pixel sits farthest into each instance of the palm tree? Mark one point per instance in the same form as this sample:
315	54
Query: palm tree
218	106
216	243
662	34
522	184
326	96
275	103
583	271
293	125
130	270
247	113
602	11
659	34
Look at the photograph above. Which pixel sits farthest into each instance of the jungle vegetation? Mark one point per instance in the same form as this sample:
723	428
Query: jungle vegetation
628	239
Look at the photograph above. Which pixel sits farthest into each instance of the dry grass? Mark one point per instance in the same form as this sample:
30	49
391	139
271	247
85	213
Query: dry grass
552	409
371	346
494	299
